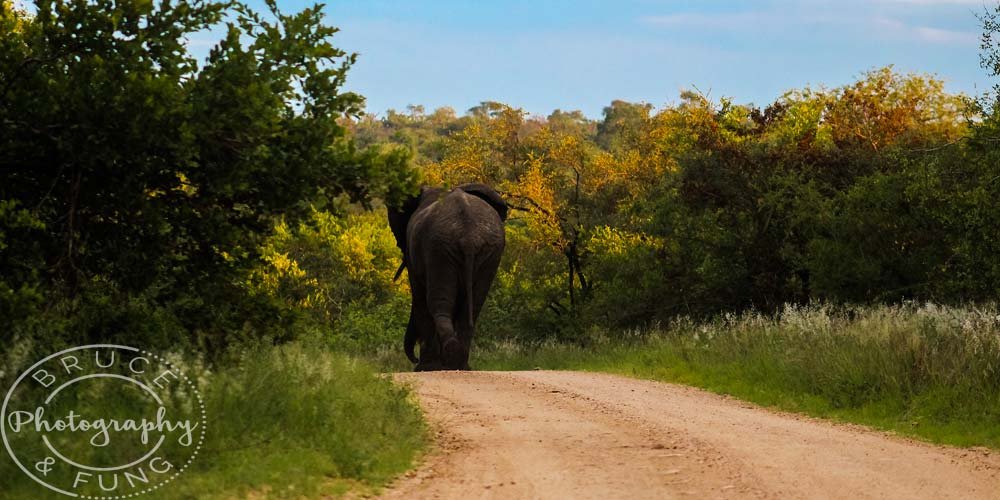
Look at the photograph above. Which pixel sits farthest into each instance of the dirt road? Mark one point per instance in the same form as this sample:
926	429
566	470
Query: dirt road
560	435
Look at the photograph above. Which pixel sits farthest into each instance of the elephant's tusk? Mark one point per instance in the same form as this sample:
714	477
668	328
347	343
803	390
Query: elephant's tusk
402	265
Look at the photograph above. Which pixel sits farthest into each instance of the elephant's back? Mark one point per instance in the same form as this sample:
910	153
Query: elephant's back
458	220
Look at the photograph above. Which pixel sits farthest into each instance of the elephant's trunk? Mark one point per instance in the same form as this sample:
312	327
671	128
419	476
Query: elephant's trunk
402	265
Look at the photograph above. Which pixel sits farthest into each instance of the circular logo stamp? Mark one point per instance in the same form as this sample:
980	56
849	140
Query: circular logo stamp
103	422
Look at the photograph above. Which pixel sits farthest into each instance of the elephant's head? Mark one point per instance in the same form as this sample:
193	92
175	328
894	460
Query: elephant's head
400	215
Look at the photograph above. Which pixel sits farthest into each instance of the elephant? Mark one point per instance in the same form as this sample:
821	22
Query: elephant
452	241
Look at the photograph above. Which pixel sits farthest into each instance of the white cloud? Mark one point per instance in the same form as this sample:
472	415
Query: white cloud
892	25
727	20
940	2
935	35
898	29
883	25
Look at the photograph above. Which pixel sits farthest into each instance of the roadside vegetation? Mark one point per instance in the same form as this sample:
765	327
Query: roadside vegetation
231	212
920	370
301	421
295	421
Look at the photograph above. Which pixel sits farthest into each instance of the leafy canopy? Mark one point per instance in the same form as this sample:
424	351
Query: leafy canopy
150	174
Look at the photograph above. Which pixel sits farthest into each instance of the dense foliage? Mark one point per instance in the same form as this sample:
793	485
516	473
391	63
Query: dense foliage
878	191
138	186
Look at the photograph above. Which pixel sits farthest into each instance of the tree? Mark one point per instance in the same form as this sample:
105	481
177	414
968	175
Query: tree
157	177
623	123
885	108
989	55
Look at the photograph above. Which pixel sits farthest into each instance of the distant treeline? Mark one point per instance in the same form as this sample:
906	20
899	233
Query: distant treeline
883	190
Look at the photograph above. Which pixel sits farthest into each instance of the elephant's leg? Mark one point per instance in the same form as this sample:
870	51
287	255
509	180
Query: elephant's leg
442	295
430	346
485	271
430	353
410	338
451	346
423	325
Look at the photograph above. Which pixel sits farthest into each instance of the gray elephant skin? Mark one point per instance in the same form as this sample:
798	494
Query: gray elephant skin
451	241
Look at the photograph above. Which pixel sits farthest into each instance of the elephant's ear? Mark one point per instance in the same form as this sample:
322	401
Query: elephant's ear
399	218
489	195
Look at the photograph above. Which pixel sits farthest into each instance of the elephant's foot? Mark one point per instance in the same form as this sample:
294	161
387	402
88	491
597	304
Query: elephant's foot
428	367
451	352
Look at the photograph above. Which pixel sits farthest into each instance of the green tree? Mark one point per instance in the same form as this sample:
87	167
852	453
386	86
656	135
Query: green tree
623	123
158	178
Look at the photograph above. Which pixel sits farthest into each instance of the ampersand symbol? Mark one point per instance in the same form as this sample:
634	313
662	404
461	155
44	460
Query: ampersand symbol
45	465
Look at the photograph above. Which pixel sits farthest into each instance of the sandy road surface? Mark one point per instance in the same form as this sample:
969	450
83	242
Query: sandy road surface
560	435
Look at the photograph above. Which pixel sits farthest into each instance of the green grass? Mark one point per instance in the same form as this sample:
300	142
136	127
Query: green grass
923	371
287	422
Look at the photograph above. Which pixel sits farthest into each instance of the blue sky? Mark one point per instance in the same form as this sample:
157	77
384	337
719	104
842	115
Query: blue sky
546	54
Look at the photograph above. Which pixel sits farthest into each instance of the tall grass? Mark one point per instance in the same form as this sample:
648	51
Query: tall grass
285	422
918	369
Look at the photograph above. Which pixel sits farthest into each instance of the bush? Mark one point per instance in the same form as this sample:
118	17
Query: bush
335	272
295	420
